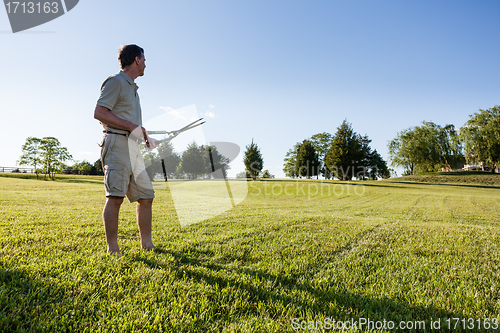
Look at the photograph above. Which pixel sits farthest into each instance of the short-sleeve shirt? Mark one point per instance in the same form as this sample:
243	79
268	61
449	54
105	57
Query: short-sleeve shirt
119	94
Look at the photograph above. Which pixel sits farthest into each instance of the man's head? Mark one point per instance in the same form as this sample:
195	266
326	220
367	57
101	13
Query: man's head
132	55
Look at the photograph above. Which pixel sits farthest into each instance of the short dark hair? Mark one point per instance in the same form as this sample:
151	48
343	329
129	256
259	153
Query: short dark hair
127	54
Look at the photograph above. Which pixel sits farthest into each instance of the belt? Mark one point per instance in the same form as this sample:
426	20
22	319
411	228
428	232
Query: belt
138	140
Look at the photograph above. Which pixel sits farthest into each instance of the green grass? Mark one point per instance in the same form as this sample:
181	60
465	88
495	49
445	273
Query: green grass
395	250
461	177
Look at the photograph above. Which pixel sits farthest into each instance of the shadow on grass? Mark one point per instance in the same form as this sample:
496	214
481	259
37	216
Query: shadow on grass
315	300
23	300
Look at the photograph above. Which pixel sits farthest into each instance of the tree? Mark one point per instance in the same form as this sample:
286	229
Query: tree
307	160
242	174
346	152
151	161
401	152
321	143
253	160
193	161
53	155
378	167
215	161
170	158
481	137
32	154
266	174
426	148
98	167
291	161
87	169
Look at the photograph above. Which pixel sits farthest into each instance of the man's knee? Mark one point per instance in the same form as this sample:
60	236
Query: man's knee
145	202
115	201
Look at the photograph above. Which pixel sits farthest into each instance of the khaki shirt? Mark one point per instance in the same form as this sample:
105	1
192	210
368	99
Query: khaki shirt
119	94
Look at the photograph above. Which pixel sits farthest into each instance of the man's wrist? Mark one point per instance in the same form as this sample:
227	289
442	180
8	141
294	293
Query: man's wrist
132	127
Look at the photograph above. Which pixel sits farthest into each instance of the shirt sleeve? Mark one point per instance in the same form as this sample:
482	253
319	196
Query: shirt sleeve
110	92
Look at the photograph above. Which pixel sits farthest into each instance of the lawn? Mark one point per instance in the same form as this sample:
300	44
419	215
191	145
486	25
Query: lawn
293	256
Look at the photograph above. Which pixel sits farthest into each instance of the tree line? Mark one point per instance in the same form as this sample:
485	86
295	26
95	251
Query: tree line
344	155
47	156
430	147
194	163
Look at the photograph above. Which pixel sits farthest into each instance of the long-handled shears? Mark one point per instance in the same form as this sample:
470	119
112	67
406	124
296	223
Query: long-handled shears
173	134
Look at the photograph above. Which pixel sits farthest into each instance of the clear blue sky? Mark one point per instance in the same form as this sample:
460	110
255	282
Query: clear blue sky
275	71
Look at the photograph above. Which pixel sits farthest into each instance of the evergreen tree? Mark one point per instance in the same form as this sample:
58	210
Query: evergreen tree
345	155
307	164
378	167
193	162
253	160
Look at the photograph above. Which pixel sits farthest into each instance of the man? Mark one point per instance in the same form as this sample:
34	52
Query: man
119	111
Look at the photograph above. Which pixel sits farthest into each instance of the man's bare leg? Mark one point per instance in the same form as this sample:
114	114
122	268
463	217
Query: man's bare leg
144	217
110	219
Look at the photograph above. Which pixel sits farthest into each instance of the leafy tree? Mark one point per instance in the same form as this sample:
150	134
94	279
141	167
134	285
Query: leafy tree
171	158
345	155
242	174
401	152
53	155
307	160
98	167
253	160
321	143
32	153
214	161
87	169
425	148
291	161
481	136
266	174
193	161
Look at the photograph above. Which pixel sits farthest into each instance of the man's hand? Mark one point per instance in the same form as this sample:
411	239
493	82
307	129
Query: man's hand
153	143
139	132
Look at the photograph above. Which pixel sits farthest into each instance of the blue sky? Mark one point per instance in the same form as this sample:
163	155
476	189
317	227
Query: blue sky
275	71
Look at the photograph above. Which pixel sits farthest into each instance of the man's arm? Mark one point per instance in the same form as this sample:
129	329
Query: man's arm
106	117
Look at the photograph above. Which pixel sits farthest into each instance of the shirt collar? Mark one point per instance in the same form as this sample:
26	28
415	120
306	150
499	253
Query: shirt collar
129	80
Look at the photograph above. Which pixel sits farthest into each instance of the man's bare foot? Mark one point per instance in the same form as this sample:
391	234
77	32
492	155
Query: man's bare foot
149	247
114	252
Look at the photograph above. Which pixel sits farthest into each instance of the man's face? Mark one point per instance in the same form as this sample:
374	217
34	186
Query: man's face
141	63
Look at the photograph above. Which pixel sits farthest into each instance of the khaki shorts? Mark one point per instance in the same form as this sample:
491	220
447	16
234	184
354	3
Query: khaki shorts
124	170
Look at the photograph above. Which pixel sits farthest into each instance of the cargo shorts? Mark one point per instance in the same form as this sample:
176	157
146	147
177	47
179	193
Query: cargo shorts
124	170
